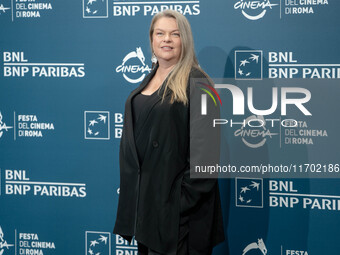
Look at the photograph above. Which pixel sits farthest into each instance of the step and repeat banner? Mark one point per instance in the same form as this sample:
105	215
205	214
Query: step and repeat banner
66	69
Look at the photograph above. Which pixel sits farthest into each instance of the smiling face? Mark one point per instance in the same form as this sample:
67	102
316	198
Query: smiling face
166	41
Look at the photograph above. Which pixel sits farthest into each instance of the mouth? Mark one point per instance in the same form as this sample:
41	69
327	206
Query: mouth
167	48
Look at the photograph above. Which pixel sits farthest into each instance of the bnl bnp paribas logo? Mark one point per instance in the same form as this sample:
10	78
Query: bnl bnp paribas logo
133	67
254	9
97	243
95	8
4	246
249	192
248	64
97	125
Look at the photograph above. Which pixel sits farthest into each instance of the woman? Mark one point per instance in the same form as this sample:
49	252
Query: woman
159	204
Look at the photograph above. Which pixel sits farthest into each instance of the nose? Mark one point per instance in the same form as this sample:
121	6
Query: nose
167	37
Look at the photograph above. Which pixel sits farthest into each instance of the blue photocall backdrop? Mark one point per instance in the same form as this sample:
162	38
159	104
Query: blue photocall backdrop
66	70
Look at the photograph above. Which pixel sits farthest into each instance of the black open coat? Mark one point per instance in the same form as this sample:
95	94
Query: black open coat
156	193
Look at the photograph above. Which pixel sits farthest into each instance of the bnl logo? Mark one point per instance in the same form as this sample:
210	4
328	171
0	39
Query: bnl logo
249	192
97	125
97	243
95	8
248	65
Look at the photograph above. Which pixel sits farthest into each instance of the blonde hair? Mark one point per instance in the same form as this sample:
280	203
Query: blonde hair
177	79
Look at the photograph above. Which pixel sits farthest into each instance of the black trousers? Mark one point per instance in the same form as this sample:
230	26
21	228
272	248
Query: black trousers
182	245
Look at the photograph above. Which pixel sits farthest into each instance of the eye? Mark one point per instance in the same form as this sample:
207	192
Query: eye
159	33
176	34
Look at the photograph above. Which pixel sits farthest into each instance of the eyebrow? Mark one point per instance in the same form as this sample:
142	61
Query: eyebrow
164	30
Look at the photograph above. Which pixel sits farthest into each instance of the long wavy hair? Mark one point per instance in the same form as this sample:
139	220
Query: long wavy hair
177	79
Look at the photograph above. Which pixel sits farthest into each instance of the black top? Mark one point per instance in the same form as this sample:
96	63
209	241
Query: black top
139	103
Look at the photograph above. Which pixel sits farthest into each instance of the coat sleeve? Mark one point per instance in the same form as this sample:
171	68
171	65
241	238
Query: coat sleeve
204	147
